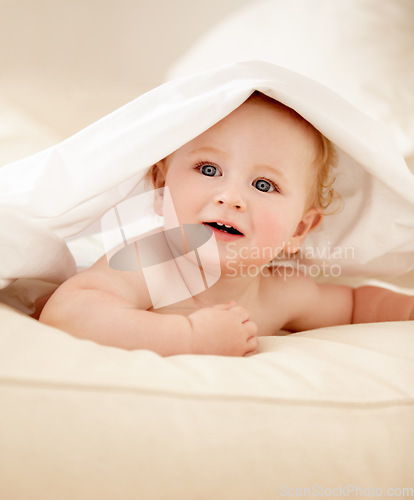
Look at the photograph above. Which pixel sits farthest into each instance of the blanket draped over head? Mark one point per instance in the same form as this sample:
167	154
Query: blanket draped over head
59	192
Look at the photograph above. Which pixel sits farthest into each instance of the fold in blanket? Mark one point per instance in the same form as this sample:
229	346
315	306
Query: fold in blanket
59	192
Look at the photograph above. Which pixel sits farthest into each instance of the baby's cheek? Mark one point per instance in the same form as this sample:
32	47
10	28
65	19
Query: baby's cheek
176	204
273	228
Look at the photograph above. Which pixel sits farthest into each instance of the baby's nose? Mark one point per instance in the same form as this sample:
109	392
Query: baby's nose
232	198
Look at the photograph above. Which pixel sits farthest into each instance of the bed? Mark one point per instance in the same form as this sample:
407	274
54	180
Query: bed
327	412
329	408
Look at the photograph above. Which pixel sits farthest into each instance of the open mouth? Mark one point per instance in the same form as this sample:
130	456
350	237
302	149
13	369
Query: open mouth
224	227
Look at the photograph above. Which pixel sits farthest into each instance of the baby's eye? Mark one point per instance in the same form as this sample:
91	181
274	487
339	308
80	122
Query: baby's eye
265	185
208	170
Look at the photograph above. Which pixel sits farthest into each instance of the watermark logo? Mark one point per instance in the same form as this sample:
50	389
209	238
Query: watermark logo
314	262
177	261
347	490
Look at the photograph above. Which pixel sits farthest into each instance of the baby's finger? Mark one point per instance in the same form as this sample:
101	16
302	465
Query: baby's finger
242	313
251	327
252	344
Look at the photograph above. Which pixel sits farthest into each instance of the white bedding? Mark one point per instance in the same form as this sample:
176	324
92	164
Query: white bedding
362	49
61	191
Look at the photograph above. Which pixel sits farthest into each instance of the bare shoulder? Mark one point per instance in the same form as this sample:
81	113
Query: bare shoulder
128	285
304	304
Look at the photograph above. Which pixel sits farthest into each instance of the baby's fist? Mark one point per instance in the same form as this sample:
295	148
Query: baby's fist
224	329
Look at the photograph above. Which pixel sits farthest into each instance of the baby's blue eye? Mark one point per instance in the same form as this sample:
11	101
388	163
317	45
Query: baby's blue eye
264	185
209	170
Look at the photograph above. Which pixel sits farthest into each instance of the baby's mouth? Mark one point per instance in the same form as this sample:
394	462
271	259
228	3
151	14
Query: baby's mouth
224	227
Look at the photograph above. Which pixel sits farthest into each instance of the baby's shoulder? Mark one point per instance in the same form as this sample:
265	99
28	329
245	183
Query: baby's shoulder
279	300
289	287
130	285
304	302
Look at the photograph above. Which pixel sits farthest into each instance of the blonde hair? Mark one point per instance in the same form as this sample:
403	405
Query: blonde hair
322	193
151	175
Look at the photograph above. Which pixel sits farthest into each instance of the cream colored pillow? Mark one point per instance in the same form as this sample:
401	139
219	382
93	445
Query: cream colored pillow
330	408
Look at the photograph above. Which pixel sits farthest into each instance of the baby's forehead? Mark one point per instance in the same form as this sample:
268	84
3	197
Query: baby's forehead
260	111
255	119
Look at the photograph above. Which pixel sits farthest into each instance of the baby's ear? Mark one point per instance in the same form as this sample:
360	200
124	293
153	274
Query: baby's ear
311	219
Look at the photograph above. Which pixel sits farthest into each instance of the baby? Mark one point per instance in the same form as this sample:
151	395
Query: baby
258	179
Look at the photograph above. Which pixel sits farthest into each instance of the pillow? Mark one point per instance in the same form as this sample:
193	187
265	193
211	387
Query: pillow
362	49
324	409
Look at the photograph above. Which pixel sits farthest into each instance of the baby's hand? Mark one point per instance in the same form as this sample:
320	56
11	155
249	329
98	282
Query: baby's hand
224	329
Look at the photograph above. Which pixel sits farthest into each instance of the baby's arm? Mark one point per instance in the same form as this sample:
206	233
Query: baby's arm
373	304
110	307
319	305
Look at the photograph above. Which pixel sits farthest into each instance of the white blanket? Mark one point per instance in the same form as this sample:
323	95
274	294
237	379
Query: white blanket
61	191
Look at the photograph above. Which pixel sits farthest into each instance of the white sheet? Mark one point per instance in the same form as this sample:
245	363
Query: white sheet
59	192
344	47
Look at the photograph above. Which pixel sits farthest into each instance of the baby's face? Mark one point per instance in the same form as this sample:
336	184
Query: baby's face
248	177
